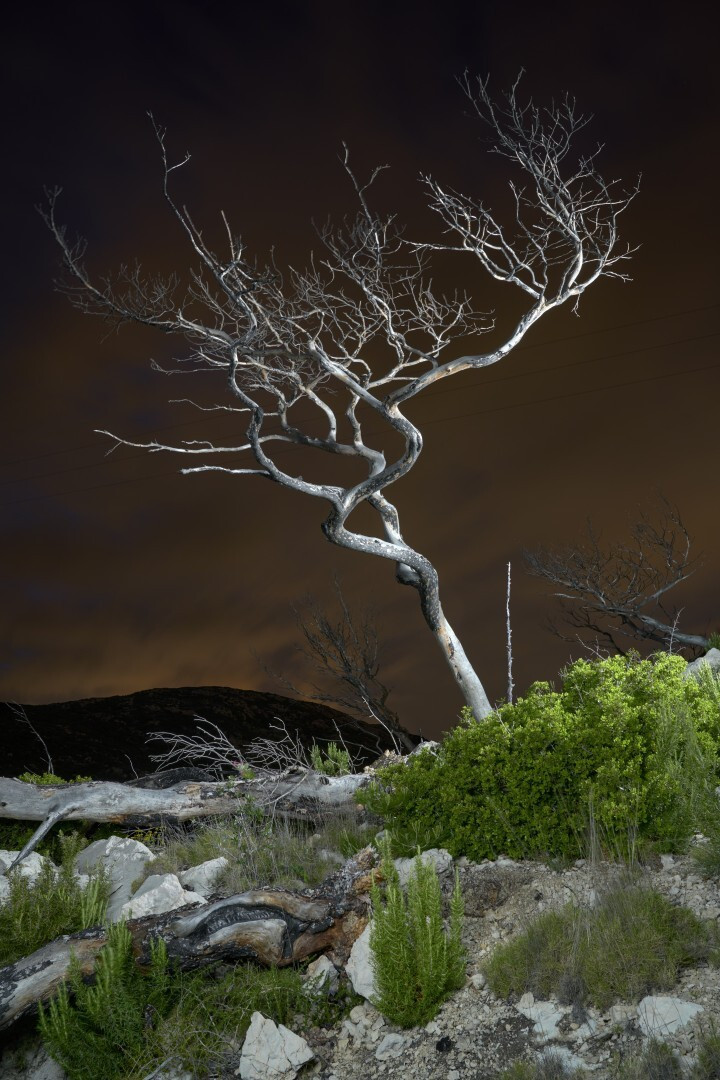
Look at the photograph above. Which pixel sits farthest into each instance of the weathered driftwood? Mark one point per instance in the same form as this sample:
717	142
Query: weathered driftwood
267	926
299	792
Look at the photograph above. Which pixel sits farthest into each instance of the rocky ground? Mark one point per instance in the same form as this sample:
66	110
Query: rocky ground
476	1035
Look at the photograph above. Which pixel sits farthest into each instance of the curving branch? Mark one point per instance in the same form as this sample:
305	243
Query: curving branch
619	593
308	356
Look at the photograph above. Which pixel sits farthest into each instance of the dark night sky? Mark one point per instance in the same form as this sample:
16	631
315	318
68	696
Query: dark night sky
117	573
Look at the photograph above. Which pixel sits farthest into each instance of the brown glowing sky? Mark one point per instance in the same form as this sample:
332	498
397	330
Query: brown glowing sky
117	573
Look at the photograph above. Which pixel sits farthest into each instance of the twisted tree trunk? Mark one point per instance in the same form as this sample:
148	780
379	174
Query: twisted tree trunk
269	926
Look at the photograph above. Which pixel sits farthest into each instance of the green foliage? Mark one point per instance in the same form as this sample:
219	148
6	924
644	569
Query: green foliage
550	1067
128	1022
657	1061
50	778
104	1029
54	904
632	943
714	640
260	851
616	736
332	761
416	963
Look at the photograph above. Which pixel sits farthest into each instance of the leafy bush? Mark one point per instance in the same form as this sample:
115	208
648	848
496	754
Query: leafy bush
54	904
615	737
632	943
415	963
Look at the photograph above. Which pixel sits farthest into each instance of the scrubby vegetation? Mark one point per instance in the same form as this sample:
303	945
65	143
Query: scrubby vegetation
55	903
622	760
261	851
632	943
619	736
656	1061
127	1023
334	760
416	963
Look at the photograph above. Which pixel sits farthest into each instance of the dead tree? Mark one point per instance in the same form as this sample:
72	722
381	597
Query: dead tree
293	792
619	593
345	654
320	359
272	927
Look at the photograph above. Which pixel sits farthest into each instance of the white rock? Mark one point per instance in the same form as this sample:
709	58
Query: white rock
437	857
391	1046
157	894
201	879
271	1051
324	974
544	1014
359	967
620	1014
30	867
358	1014
711	659
661	1015
125	861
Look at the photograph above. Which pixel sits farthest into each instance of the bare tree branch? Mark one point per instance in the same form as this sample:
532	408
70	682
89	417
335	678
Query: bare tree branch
619	593
345	654
308	355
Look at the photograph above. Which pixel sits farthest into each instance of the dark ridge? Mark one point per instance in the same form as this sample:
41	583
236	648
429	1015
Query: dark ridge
105	738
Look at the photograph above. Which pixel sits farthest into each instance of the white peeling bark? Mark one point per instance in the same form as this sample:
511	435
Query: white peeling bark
463	672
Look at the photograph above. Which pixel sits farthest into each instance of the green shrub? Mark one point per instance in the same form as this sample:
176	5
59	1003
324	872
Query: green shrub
54	904
102	1032
128	1022
51	778
520	782
332	761
632	943
415	963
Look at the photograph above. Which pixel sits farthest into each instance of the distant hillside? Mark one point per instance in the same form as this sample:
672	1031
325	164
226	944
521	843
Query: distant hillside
106	737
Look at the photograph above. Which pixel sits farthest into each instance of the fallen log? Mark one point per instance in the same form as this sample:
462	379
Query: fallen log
291	792
271	927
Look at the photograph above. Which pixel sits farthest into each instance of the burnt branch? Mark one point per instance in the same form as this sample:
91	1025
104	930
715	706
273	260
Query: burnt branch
619	593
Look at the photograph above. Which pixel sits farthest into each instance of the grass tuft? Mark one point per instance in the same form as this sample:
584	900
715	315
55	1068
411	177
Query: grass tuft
54	903
634	942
